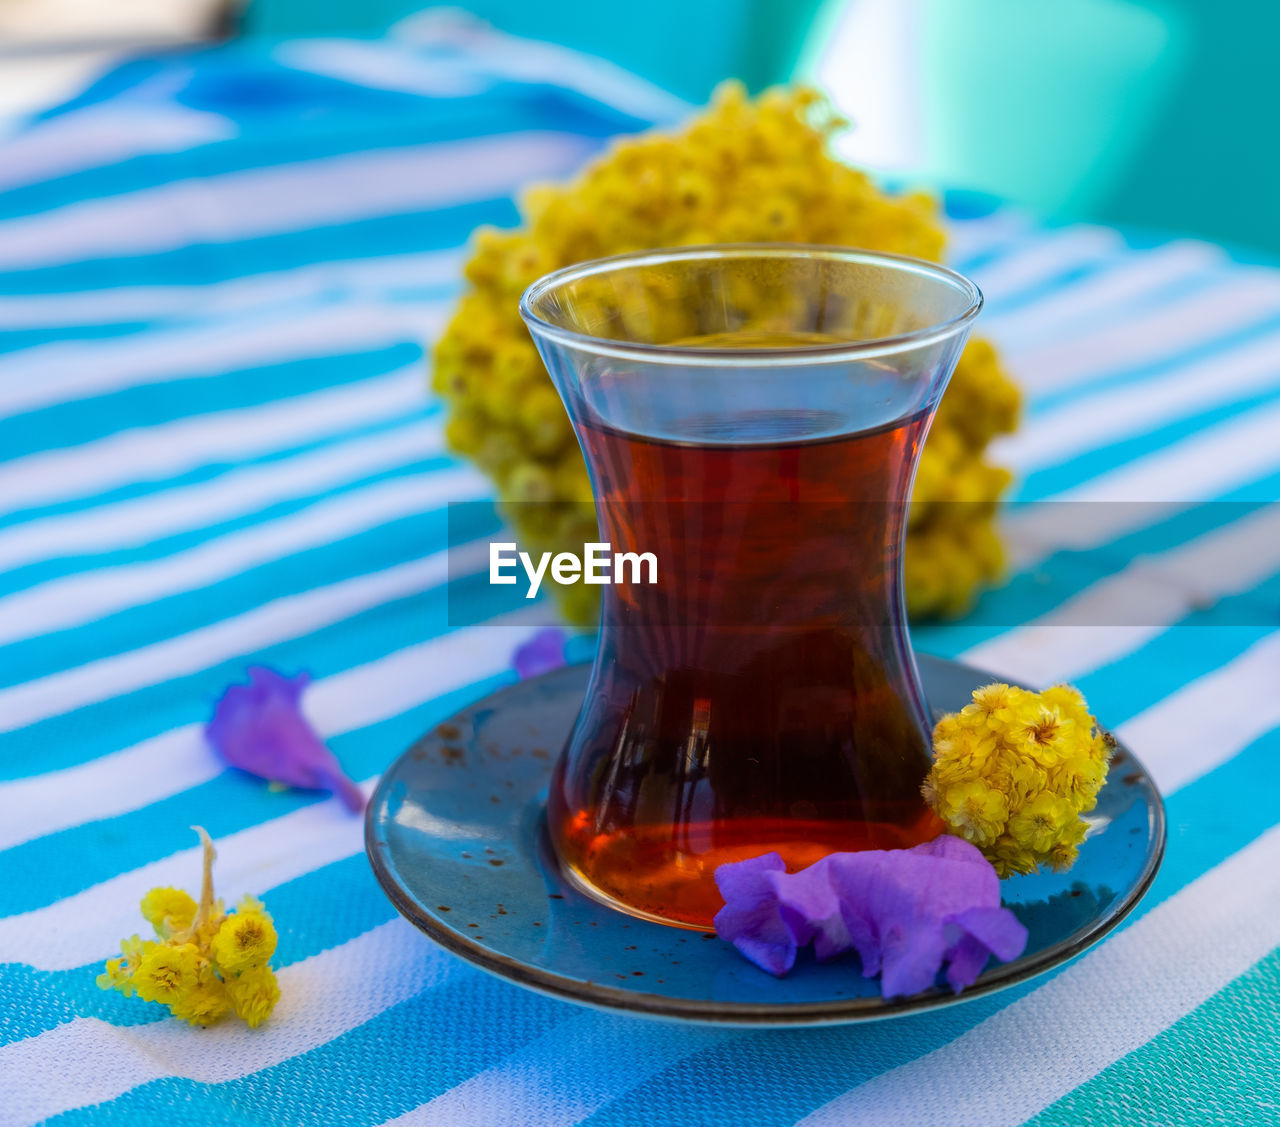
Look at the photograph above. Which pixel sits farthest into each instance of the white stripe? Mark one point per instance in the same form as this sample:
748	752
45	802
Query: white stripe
105	134
67	370
203	300
253	860
152	517
1150	594
1197	468
384	64
258	857
277	621
1045	257
293	197
568	1073
1086	304
1096	420
170	449
83	597
321	998
968	238
1207	465
1248	296
488	52
1203	725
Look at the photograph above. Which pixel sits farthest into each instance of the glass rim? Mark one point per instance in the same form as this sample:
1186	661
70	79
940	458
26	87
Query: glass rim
692	355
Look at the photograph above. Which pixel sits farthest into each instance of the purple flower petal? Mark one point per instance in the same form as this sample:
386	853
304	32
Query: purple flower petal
965	960
808	902
904	911
259	727
751	919
997	929
540	654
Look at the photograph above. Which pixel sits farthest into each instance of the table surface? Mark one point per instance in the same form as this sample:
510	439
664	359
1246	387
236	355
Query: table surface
217	448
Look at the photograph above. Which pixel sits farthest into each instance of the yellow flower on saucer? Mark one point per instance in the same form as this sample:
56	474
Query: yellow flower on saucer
1014	770
1039	824
977	810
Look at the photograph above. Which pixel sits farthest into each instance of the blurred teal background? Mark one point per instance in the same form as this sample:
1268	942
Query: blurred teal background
1146	113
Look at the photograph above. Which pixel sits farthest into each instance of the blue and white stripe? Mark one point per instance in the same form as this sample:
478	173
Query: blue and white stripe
216	447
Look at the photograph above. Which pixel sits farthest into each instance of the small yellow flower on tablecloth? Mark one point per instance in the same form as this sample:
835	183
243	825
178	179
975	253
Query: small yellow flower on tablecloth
205	961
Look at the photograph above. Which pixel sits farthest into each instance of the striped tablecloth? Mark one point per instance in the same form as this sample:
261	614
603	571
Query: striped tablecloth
217	270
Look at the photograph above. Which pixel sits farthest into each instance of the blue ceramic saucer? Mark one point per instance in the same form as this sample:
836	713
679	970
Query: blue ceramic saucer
456	836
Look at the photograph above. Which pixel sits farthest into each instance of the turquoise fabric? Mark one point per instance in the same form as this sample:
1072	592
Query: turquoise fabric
1043	103
218	270
684	48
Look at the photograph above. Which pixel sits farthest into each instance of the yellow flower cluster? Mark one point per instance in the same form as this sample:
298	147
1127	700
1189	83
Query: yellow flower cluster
744	171
204	962
1014	770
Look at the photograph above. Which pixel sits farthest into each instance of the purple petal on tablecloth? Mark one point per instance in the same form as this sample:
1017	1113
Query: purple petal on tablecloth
259	727
540	654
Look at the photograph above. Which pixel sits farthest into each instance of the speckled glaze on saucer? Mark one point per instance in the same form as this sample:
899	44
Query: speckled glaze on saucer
456	837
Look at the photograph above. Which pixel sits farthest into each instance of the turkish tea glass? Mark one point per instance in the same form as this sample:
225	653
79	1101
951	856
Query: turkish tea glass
752	417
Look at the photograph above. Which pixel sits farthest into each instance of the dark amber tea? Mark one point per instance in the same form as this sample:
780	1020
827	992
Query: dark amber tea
761	696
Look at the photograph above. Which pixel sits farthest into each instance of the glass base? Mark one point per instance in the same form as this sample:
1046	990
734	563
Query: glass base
673	882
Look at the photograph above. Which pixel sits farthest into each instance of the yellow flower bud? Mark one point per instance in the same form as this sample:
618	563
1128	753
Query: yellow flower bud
254	994
244	940
168	910
167	973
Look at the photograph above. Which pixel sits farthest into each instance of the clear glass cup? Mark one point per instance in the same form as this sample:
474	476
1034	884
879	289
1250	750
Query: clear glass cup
752	416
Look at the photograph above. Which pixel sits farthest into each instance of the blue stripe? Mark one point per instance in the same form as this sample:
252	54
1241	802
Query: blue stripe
286	116
210	263
1159	294
70	424
29	575
1064	574
72	737
15	340
50	998
207	472
1214	344
1138	444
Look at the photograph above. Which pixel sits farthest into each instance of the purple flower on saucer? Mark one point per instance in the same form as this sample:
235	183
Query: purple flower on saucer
905	912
